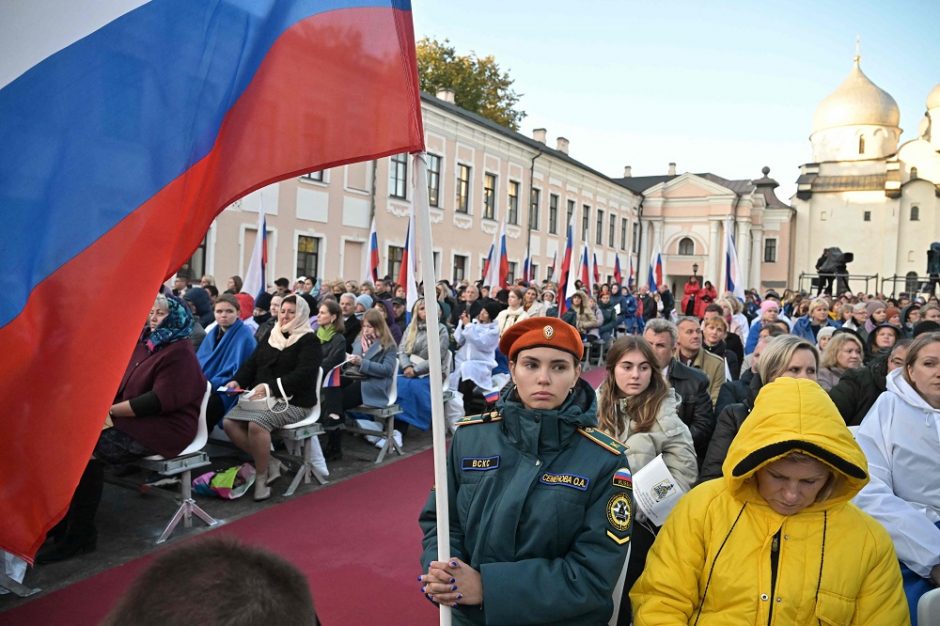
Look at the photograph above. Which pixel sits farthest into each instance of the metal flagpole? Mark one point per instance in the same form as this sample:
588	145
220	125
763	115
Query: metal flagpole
436	375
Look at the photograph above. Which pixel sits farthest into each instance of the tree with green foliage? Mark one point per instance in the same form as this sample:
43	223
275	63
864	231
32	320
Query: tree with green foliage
478	83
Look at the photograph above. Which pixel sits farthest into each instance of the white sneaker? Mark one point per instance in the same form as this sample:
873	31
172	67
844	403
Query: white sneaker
397	437
321	468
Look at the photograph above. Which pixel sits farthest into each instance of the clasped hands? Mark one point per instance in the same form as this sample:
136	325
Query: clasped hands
452	583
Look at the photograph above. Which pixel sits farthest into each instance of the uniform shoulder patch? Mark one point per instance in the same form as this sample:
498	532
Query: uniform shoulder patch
603	440
482	418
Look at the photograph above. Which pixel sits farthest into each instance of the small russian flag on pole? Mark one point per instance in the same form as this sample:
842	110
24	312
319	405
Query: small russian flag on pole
332	377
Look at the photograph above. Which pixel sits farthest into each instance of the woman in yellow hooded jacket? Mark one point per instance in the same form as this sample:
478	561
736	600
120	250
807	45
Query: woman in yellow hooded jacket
777	540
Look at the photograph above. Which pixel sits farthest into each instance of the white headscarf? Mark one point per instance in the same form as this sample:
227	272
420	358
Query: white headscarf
295	329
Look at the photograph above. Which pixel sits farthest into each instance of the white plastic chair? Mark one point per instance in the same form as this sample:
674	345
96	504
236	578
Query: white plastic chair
301	437
928	608
384	416
192	457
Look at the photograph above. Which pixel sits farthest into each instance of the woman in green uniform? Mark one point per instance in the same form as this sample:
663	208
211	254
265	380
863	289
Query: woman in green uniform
541	504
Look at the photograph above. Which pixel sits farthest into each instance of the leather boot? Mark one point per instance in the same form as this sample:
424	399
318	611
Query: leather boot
80	535
334	445
262	491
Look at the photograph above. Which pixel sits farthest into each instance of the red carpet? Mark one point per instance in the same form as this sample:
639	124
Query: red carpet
358	542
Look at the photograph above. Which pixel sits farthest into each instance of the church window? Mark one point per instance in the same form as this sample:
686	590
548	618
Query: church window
770	251
861	145
686	247
913	173
915	213
866	216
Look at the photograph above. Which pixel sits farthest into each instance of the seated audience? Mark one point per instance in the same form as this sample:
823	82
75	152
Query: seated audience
777	540
414	387
330	333
858	388
582	316
513	313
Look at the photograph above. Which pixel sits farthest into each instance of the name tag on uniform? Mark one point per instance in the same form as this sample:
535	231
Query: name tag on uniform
479	464
566	480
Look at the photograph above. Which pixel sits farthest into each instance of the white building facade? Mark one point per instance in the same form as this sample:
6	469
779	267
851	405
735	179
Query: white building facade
480	175
865	193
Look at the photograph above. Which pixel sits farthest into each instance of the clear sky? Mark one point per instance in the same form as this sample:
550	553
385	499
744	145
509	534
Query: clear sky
724	87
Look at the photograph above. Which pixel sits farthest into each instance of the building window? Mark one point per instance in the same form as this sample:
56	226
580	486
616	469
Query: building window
585	221
397	175
913	173
308	256
770	251
866	216
533	272
570	212
623	233
612	232
635	241
915	213
489	196
861	145
512	215
553	214
463	188
195	268
395	256
686	246
511	278
599	231
434	180
460	267
316	177
535	198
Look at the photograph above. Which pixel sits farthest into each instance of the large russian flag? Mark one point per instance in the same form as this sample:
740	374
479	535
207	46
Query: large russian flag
126	127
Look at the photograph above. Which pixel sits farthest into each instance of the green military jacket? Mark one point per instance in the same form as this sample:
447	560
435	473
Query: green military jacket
541	505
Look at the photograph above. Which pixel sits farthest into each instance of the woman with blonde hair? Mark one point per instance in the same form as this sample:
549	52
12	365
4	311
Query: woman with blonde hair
843	352
414	386
733	311
784	356
808	326
532	302
637	407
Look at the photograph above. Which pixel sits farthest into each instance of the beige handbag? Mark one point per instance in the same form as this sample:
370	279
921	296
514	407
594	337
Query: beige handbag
268	402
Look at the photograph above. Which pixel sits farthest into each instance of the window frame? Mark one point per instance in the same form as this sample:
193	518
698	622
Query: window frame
463	189
434	180
770	250
398	186
489	196
512	210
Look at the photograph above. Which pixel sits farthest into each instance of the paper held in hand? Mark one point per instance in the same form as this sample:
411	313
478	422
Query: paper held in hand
655	490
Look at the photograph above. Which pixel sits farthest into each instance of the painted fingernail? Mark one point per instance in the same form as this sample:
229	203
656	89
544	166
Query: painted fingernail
424	590
453	580
459	597
420	577
453	563
453	587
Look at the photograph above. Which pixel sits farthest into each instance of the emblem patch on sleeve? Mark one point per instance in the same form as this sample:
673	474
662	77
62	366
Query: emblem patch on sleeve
479	464
566	480
620	511
623	478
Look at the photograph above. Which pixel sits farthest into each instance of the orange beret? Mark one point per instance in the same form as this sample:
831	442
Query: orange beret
541	332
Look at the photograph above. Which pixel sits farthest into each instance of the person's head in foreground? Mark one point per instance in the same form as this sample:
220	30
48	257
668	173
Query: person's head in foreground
544	360
782	506
216	581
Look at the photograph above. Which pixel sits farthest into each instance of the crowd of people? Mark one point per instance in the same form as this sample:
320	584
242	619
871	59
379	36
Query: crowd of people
716	388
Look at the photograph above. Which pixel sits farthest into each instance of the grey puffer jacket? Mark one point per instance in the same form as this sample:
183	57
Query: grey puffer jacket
420	349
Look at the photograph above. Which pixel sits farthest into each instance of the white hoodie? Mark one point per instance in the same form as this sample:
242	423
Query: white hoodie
901	439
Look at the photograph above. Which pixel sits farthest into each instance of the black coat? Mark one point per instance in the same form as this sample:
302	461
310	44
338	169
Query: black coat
726	428
696	406
857	390
351	327
296	366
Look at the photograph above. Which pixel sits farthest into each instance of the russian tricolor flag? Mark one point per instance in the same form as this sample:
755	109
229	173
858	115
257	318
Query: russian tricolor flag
254	284
618	276
406	277
372	255
733	281
655	278
126	128
332	379
566	286
597	271
586	283
630	275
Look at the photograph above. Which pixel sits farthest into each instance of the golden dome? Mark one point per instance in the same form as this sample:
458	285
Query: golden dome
857	101
933	100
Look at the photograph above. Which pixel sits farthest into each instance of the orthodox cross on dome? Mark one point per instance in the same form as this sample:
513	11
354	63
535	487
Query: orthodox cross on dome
858	49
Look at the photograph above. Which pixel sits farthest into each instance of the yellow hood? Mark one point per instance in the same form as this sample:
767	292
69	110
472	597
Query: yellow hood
795	415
